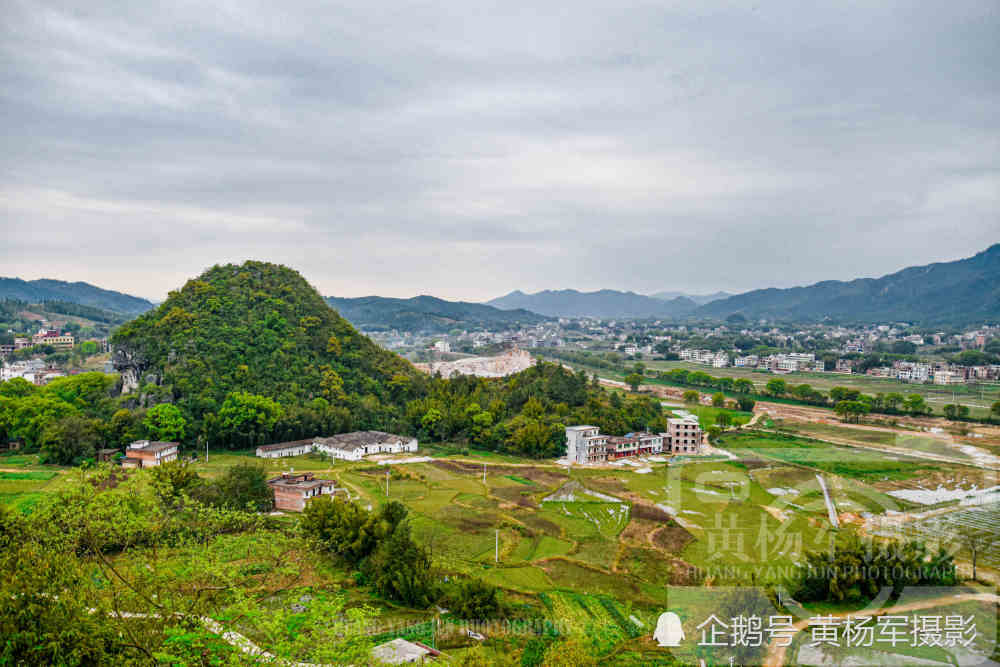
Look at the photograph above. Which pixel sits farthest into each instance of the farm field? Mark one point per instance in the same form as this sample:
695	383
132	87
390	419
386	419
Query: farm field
603	551
917	443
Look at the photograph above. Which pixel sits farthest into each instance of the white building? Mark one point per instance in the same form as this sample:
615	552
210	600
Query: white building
354	446
282	449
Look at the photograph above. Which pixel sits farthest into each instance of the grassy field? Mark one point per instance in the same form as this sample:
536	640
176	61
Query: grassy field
917	443
843	461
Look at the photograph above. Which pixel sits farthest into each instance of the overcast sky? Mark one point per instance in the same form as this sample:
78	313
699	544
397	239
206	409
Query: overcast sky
464	149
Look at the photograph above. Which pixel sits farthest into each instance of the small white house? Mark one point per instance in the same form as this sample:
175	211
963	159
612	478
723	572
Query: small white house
282	449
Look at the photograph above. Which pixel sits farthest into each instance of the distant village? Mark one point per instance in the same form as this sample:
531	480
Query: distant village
897	351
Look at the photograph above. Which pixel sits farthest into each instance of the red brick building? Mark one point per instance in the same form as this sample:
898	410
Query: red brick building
293	490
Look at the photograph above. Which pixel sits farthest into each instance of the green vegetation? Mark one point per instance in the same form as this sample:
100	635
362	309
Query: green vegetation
827	457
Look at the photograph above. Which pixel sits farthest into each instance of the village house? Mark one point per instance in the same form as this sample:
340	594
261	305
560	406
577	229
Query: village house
585	444
282	449
683	435
354	446
293	490
146	454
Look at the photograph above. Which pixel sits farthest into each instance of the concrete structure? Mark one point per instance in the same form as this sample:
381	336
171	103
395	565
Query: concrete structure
146	454
53	338
281	449
683	435
354	446
293	490
585	444
400	651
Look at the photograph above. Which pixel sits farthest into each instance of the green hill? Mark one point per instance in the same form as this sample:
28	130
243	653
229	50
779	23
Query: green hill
427	314
42	290
257	328
956	293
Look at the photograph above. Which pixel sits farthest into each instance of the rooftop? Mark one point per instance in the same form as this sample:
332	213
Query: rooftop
285	445
349	441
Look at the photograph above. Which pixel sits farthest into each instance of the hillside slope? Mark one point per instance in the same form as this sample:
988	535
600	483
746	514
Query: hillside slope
426	314
603	304
959	292
45	289
258	328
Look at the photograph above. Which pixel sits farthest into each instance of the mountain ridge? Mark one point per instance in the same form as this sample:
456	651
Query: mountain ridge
605	304
49	289
957	292
426	313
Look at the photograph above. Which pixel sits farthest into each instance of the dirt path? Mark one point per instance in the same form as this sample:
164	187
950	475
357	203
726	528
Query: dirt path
776	654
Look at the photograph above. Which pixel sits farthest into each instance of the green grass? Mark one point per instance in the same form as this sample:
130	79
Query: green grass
520	480
32	475
869	466
708	413
917	443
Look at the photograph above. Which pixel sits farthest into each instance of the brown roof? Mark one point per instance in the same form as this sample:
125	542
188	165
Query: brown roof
285	445
299	481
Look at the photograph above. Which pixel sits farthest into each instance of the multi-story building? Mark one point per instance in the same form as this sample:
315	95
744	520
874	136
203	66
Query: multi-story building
585	444
53	338
146	454
683	435
749	361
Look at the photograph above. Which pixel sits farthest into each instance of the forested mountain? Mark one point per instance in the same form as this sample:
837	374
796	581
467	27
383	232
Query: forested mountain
959	292
426	314
44	289
261	329
604	304
700	299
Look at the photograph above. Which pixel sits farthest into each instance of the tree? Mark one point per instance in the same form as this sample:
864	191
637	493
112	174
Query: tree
893	400
401	570
165	422
633	380
171	480
723	419
474	599
851	411
70	440
746	403
243	486
776	387
915	405
743	386
247	419
975	540
691	396
719	400
995	408
956	412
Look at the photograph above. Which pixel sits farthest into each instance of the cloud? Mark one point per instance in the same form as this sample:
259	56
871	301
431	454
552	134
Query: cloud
466	150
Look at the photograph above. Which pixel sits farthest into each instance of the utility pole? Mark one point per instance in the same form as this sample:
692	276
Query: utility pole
484	473
387	483
496	556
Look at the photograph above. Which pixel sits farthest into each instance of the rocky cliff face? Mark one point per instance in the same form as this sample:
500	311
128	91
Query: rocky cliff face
131	365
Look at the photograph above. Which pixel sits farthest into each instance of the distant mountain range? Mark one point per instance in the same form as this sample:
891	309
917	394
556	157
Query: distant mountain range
44	289
700	299
426	314
606	304
960	292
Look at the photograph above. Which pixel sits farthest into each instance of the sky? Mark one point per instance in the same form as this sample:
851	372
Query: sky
467	149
